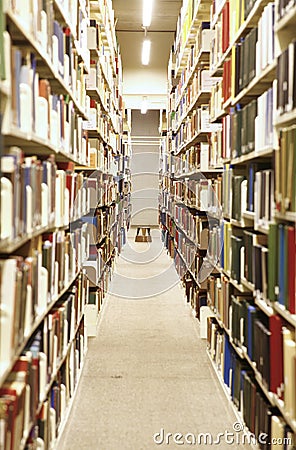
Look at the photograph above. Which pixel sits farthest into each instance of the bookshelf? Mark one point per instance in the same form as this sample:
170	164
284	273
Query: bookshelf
245	196
65	203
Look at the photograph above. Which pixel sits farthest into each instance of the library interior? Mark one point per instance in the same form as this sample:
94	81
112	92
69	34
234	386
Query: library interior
147	224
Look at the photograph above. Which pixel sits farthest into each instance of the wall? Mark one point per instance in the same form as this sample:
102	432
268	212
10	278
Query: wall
145	168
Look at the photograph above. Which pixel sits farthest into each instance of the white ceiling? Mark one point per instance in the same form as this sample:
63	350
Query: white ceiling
130	34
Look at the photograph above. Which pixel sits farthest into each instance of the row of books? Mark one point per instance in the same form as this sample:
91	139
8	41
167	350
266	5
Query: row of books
201	83
245	392
198	122
202	194
283	8
201	44
195	226
36	106
266	262
286	84
195	296
34	406
254	192
195	159
242	128
187	13
40	193
285	163
36	278
277	368
43	31
95	81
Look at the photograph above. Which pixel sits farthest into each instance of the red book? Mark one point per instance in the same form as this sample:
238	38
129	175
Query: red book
292	270
225	27
69	166
276	355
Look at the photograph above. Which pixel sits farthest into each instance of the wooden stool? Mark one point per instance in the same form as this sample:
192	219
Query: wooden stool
145	236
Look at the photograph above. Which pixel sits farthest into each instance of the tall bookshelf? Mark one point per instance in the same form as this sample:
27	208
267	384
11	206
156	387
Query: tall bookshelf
248	286
64	164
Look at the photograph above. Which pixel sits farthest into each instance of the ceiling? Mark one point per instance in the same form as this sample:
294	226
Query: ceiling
130	35
129	14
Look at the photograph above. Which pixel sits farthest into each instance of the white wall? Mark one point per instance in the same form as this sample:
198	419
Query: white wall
145	168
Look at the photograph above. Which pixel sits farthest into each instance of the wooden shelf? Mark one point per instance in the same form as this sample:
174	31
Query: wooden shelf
45	67
257	86
202	12
289	420
196	173
33	144
96	94
282	311
202	57
287	118
287	22
287	216
250	22
201	98
217	14
200	136
256	154
38	320
261	303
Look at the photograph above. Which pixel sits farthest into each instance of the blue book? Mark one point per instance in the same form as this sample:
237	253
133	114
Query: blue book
227	360
252	312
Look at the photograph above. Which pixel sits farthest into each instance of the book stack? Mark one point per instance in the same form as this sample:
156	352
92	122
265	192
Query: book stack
61	187
250	208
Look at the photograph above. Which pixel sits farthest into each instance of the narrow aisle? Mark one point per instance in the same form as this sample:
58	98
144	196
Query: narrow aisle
147	369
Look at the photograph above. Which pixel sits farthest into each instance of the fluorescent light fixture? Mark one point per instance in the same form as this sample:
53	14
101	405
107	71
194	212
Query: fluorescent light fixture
144	105
147	12
146	52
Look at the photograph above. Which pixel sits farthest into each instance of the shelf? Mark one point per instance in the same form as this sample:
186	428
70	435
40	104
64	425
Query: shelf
7	247
200	136
288	21
197	173
281	406
248	215
202	11
287	118
262	229
202	57
257	86
240	223
38	320
247	284
219	116
287	216
261	303
33	144
256	154
217	14
62	16
96	95
201	98
45	67
282	311
250	22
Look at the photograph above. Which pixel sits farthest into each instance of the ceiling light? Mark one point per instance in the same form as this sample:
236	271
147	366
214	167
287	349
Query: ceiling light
146	52
144	105
147	12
